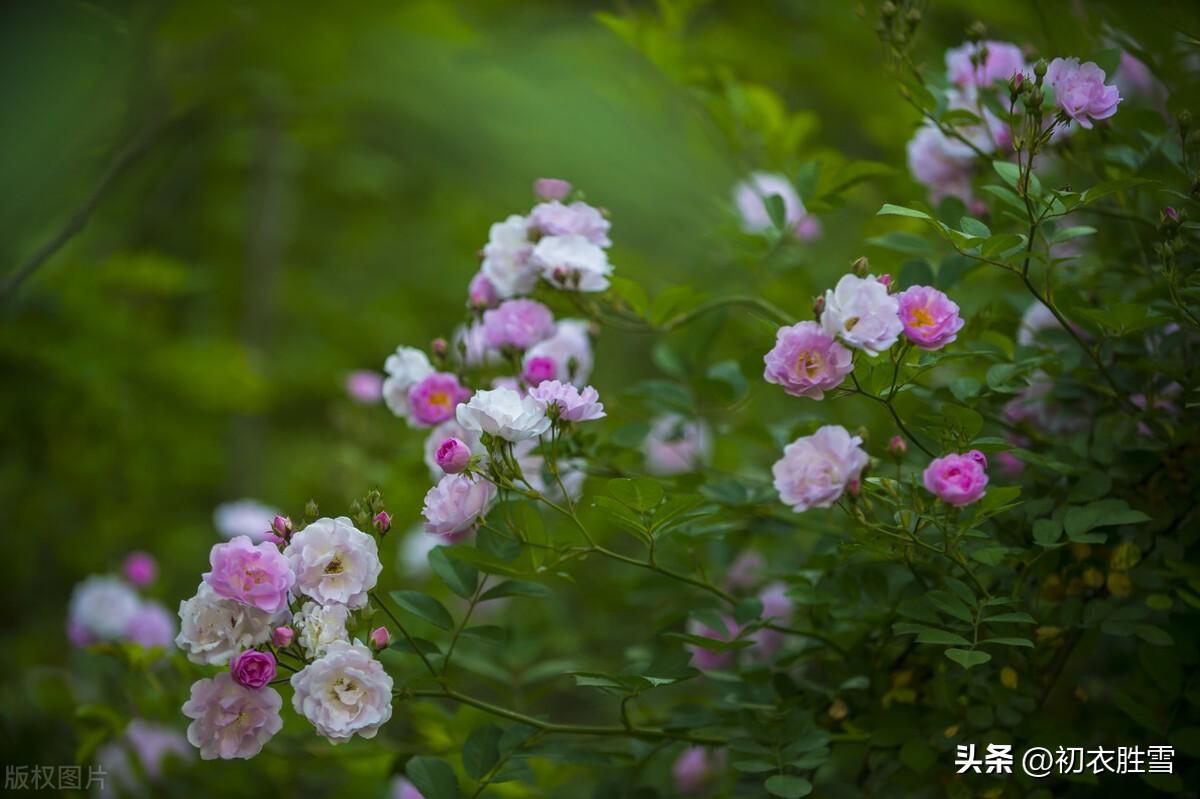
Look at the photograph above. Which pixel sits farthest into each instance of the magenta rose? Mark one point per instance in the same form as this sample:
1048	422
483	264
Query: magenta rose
957	479
453	456
518	324
930	318
433	400
253	669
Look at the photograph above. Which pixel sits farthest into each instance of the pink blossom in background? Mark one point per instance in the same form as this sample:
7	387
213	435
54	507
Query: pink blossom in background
577	219
898	446
745	571
433	400
1134	79
518	324
539	369
1010	465
140	568
551	188
930	318
231	721
676	445
707	659
403	789
567	402
777	608
152	625
256	575
696	769
481	293
942	165
1081	91
815	470
253	669
750	195
453	456
152	745
456	506
380	637
365	387
956	479
997	61
806	361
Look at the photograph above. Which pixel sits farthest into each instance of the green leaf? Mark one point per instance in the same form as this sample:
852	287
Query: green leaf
898	210
963	388
776	210
942	637
1046	532
951	605
639	494
481	751
487	633
968	658
1009	172
515	588
973	227
459	577
787	786
1011	618
1153	635
432	777
425	607
1066	234
1009	642
729	373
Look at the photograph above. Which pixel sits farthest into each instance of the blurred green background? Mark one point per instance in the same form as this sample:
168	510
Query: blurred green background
309	187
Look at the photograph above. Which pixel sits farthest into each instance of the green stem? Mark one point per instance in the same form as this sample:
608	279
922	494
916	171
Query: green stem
396	621
644	733
768	309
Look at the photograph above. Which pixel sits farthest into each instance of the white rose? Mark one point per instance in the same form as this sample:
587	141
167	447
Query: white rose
213	629
406	367
572	262
318	626
860	312
334	562
344	693
103	607
506	258
505	413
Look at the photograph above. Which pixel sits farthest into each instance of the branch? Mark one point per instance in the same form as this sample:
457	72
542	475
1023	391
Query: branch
134	149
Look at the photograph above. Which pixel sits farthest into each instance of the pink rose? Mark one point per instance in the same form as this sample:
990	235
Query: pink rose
539	369
231	721
253	669
453	456
283	636
481	293
806	361
551	188
982	64
256	575
707	659
365	387
957	479
518	324
1081	91
696	769
930	318
815	470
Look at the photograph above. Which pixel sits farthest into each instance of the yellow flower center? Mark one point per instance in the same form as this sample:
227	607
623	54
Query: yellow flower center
922	318
439	398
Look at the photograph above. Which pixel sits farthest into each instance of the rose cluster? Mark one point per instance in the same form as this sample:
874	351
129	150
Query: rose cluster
859	315
992	85
287	599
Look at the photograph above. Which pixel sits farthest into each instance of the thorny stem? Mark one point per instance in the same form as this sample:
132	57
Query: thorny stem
396	621
887	403
462	624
